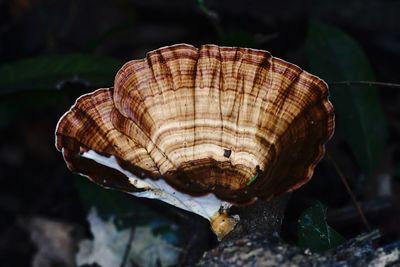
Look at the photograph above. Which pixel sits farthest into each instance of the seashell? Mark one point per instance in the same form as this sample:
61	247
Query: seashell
201	128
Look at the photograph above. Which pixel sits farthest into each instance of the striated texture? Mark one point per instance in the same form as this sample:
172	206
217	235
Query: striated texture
254	249
236	122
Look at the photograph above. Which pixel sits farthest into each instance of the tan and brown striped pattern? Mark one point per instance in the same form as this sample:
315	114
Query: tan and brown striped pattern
205	120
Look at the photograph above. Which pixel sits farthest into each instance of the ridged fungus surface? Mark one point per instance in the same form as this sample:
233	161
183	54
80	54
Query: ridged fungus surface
235	122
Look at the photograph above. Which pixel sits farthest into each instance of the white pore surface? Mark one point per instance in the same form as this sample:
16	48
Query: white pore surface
205	206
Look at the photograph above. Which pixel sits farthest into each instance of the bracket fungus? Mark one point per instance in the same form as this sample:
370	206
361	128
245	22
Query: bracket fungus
201	129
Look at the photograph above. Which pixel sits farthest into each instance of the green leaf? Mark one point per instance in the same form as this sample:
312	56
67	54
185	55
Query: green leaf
335	56
252	179
49	72
258	174
313	231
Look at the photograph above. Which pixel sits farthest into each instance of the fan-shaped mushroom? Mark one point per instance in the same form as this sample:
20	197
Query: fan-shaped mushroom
201	129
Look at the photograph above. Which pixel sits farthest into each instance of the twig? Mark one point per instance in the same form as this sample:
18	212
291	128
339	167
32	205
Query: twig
369	83
349	214
128	246
352	196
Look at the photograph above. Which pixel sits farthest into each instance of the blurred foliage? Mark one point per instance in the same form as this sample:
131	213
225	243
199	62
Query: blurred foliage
335	56
313	231
123	207
106	201
35	83
397	171
332	54
52	82
12	104
109	246
111	33
238	38
49	72
202	6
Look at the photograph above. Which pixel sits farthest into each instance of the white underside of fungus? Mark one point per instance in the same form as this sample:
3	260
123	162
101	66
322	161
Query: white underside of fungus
206	206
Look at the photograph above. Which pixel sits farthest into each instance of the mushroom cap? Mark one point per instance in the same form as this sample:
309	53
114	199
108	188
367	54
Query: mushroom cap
235	122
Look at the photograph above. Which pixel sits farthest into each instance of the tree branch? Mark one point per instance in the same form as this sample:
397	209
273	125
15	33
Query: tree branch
369	83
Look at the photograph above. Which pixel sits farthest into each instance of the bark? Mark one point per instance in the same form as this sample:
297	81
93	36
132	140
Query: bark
256	242
262	217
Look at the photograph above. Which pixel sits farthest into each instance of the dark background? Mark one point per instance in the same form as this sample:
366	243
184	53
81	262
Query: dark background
78	46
